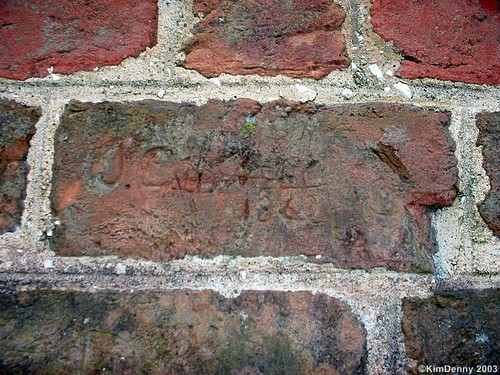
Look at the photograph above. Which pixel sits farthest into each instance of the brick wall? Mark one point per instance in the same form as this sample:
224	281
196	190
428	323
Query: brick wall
251	187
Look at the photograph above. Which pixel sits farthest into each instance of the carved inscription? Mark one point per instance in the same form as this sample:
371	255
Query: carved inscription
162	180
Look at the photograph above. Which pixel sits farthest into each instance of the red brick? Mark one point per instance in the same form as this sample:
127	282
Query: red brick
454	40
300	39
179	332
349	184
456	328
489	138
17	126
72	35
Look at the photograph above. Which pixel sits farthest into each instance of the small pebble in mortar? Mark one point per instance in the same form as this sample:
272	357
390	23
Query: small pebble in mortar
215	81
404	89
307	94
120	269
348	94
375	70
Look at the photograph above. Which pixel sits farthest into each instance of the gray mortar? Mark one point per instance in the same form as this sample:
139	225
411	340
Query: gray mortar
467	254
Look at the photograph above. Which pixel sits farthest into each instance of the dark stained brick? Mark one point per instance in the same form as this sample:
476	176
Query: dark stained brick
489	138
300	38
350	185
72	35
17	126
453	40
458	328
179	332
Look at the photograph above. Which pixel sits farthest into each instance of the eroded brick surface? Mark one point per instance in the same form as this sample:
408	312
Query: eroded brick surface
300	39
349	184
179	332
489	138
453	40
72	35
17	126
453	328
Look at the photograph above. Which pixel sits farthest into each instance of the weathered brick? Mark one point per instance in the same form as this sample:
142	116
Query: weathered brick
453	40
300	39
17	126
72	35
179	332
489	138
453	328
346	184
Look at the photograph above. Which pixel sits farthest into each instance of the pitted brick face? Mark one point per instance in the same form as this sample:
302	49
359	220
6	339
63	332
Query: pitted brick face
454	328
300	39
349	184
454	40
180	332
71	36
17	126
489	138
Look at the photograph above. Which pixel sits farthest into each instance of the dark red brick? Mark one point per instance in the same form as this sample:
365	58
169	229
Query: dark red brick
349	184
489	138
179	332
453	328
454	40
300	39
72	35
17	126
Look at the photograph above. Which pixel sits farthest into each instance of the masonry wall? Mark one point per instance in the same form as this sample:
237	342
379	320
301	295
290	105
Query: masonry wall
252	187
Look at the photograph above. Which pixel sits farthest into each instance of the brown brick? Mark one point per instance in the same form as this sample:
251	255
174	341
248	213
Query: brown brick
453	40
17	126
453	328
179	332
300	39
489	138
347	184
72	35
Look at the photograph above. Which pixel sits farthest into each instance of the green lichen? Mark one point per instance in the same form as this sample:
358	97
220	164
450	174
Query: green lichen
249	128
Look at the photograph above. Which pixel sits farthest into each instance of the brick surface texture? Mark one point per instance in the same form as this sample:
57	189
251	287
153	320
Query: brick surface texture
82	35
179	332
300	39
17	126
453	328
453	40
489	138
346	184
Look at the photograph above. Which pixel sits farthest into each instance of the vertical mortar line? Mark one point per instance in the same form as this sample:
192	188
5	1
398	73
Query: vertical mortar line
38	218
357	44
469	134
171	34
384	341
453	240
161	37
351	25
383	320
478	187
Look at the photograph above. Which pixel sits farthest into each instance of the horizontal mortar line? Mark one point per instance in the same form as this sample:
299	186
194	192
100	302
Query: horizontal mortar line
266	280
46	262
446	101
190	96
181	83
35	262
